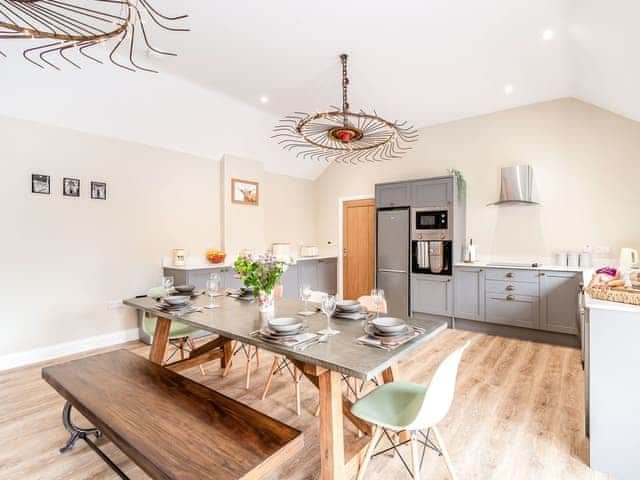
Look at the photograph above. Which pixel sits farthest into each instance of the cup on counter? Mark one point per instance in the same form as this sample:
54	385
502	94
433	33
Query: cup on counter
573	259
561	259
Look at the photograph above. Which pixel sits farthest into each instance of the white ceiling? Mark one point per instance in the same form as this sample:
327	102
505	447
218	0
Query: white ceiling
426	61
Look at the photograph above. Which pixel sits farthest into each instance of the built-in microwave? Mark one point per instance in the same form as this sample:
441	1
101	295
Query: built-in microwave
430	223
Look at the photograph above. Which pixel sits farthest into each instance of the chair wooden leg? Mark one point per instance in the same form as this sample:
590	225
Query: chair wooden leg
247	380
375	436
257	357
415	458
296	379
192	346
225	372
317	412
445	454
181	347
272	372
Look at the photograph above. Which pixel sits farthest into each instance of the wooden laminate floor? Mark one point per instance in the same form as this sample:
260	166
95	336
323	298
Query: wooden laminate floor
518	414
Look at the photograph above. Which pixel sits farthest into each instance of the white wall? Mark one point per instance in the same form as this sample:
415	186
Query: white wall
585	161
64	259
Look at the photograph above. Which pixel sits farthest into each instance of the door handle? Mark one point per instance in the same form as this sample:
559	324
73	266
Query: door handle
509	275
510	298
510	288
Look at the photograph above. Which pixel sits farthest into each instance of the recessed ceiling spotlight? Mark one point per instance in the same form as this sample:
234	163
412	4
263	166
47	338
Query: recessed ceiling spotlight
547	34
508	89
264	99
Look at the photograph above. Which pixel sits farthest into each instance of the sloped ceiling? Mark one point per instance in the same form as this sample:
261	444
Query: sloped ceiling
427	62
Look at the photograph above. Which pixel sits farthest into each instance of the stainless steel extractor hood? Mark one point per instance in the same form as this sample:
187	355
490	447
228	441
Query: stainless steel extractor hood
516	187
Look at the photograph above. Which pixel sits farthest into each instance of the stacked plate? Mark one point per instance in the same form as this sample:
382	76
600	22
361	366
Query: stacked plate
174	302
350	309
388	327
284	327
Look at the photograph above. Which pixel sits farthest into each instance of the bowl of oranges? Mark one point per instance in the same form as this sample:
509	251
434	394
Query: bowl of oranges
215	256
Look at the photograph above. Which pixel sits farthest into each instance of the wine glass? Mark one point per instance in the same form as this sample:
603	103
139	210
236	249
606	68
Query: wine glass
377	295
167	284
213	285
328	306
305	294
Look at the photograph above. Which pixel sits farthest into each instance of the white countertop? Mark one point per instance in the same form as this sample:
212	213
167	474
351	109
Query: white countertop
210	266
594	303
554	268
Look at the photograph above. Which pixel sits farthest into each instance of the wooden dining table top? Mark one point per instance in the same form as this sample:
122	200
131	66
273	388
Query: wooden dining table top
239	320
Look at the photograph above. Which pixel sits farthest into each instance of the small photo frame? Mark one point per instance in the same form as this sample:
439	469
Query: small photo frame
40	184
245	192
71	187
99	190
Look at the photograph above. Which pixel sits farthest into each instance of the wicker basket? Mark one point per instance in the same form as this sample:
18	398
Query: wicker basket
616	294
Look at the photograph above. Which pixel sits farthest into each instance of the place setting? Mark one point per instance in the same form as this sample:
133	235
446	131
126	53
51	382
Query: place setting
177	304
388	333
286	331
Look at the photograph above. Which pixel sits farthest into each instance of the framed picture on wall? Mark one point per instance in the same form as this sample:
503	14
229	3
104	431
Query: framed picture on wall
40	184
245	192
99	190
71	187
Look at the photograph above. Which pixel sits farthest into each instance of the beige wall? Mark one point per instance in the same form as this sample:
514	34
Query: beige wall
64	259
586	164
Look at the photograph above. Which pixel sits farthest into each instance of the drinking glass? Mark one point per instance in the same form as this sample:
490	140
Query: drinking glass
305	294
328	306
167	284
213	285
377	295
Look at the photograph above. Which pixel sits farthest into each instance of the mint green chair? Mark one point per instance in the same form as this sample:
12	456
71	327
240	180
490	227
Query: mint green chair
180	335
408	407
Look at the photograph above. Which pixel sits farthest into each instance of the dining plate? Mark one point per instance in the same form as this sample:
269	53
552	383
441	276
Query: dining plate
348	306
371	330
267	332
176	299
388	324
285	324
185	289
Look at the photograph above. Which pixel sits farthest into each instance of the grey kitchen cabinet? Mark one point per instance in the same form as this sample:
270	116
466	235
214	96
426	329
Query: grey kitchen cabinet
559	301
514	310
431	294
229	279
432	193
469	293
308	273
327	275
392	195
289	281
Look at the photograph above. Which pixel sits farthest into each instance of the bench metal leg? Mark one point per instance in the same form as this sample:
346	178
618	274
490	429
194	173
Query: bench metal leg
83	433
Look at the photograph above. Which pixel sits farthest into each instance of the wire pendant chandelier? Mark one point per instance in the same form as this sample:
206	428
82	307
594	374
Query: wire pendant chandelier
342	136
55	28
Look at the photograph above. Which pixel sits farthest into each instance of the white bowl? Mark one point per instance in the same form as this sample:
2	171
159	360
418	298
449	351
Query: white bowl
348	306
389	324
176	300
285	324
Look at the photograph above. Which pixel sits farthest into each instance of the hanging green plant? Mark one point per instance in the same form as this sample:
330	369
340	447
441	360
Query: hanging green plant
460	181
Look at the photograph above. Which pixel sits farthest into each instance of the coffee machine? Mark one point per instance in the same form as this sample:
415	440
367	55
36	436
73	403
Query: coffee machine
431	242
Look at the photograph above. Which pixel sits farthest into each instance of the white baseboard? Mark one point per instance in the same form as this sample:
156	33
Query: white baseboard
19	359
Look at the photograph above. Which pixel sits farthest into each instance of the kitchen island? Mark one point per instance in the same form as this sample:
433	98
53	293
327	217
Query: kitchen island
612	363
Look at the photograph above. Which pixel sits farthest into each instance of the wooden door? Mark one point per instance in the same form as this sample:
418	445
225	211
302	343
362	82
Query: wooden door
358	261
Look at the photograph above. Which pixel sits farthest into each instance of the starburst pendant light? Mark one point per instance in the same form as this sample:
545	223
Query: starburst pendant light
53	29
343	136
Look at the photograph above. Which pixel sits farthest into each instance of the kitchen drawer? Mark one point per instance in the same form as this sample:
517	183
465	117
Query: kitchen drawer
514	275
516	310
515	288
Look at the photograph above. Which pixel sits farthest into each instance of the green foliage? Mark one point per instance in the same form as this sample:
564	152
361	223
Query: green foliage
261	272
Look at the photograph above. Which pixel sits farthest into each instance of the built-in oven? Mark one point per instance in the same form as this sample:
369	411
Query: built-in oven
430	223
431	245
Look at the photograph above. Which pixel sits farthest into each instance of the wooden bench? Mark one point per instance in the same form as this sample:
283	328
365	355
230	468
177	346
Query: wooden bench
169	425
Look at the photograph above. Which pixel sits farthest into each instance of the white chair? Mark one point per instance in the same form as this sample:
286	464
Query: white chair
400	407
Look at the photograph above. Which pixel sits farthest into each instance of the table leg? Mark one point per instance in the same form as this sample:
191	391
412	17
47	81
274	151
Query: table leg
160	341
331	427
227	354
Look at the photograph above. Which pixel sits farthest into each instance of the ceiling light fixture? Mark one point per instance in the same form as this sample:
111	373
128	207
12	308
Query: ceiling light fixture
62	26
264	99
547	34
508	89
342	136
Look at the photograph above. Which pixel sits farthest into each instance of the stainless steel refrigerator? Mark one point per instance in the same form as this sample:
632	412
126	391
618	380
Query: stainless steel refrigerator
392	265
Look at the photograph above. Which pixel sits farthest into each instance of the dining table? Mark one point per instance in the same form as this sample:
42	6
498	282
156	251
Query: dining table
325	364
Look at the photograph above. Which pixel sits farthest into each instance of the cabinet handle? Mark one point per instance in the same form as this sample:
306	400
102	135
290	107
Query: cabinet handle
510	298
509	275
510	288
